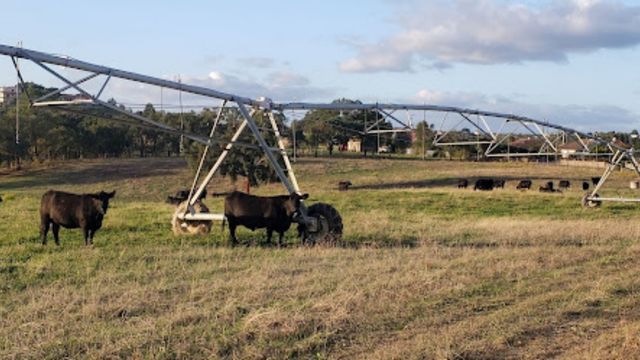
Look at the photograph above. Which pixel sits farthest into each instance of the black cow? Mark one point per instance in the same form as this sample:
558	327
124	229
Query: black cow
73	211
463	183
564	184
0	198
344	185
585	185
524	184
499	183
183	195
275	213
484	184
548	188
595	180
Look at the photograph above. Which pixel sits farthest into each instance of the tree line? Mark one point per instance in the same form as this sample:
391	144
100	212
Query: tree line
75	132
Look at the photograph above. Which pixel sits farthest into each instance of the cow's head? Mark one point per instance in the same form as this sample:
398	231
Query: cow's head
104	198
292	205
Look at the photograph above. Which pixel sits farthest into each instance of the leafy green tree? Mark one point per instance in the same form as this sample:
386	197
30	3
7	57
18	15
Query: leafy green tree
334	126
248	162
423	138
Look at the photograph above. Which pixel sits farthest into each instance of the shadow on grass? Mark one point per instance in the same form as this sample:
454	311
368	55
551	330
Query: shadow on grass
90	172
375	241
260	241
511	182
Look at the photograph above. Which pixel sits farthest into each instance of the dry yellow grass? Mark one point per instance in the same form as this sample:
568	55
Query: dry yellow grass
429	271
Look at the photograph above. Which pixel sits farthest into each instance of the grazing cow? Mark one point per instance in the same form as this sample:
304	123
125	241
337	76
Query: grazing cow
524	184
585	185
275	213
564	184
484	184
183	195
344	185
499	183
463	183
595	180
73	211
548	188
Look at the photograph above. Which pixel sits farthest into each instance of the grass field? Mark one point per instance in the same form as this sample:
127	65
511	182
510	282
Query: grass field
425	270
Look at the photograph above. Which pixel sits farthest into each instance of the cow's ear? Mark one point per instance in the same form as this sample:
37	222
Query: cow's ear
112	194
304	196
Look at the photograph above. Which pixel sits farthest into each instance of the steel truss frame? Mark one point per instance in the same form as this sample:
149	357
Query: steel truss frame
550	138
285	175
593	198
247	107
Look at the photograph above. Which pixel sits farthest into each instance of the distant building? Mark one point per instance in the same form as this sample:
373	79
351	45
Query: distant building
572	148
620	143
527	143
354	145
7	94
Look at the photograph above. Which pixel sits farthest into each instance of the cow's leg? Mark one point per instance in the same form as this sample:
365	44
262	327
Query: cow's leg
92	233
232	232
280	235
55	228
269	235
44	228
85	232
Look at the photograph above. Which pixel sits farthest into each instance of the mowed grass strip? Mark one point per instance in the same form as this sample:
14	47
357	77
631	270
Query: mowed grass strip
425	270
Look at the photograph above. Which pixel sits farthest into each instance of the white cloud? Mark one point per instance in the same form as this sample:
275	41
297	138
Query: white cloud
285	78
579	117
216	77
440	33
279	85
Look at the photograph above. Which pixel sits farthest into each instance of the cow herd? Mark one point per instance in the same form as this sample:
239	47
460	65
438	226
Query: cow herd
87	211
273	213
488	184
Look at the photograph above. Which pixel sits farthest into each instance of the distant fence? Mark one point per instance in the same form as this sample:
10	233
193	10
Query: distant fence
591	164
584	163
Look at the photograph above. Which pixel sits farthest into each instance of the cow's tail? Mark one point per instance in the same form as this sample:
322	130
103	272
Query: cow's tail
224	219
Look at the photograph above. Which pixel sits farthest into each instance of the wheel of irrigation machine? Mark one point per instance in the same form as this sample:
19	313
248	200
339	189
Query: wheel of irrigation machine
329	230
190	227
590	204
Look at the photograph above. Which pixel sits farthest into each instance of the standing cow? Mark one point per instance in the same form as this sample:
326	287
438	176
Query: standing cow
275	213
73	211
548	187
182	195
484	184
344	185
499	183
524	184
463	183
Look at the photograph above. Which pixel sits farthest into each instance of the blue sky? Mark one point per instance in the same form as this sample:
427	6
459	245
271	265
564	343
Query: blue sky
571	62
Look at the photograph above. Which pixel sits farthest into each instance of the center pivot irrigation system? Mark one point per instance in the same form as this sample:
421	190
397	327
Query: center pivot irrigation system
319	222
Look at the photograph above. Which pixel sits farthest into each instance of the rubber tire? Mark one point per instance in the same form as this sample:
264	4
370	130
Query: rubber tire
330	222
193	227
590	204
